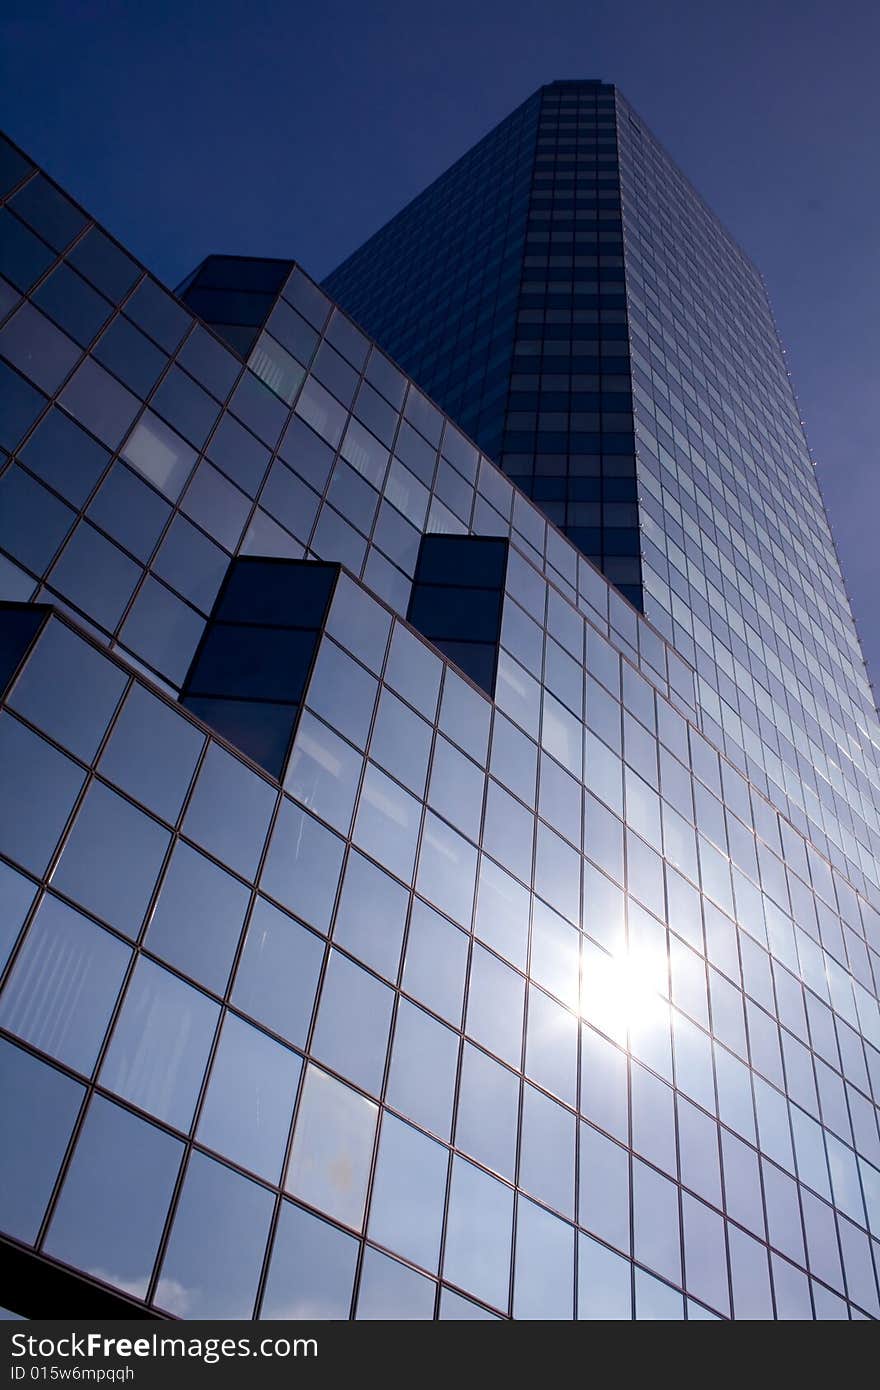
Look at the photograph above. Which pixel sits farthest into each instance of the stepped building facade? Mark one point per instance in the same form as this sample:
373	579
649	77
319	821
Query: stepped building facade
439	843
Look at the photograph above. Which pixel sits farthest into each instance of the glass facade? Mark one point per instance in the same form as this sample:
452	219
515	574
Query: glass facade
501	290
452	940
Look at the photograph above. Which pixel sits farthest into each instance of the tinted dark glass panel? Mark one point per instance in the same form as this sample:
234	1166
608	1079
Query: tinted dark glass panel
130	355
18	627
477	659
20	404
73	304
254	663
23	257
462	560
130	511
457	613
282	593
260	729
105	264
460	608
65	457
48	211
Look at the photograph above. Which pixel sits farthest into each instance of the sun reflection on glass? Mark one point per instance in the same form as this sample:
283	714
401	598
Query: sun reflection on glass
622	995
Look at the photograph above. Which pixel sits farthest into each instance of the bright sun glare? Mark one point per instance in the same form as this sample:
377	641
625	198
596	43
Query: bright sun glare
622	994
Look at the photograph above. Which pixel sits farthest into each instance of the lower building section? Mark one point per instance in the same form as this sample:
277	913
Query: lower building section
429	1027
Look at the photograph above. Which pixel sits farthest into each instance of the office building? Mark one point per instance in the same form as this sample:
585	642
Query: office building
409	912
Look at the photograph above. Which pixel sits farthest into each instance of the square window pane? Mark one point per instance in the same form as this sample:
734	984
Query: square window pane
332	1148
311	1274
495	1006
409	1192
229	811
64	984
208	361
64	456
105	264
387	823
478	1234
488	1111
23	257
216	505
342	692
239	455
436	962
401	742
273	365
40	350
33	523
160	455
414	672
464	716
390	1290
421	1079
130	355
543	1286
371	916
100	402
249	1101
156	312
160	1045
604	1283
211	1268
111	859
502	918
456	789
191	564
359	623
152	753
547	1145
303	866
95	575
551	1046
41	786
447	870
111	1213
131	512
17	893
277	977
69	690
162	630
353	1023
323	772
198	917
48	211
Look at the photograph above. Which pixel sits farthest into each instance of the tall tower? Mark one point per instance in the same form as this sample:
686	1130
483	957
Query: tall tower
565	293
397	921
501	289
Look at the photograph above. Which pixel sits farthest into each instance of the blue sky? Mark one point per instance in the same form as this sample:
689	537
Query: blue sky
276	129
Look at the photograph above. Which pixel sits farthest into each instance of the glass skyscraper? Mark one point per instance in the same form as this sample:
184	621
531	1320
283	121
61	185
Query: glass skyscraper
501	290
440	878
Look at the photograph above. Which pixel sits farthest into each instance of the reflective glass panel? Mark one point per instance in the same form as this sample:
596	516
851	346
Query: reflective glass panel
64	984
311	1274
277	975
332	1148
115	1198
249	1101
160	1045
211	1267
